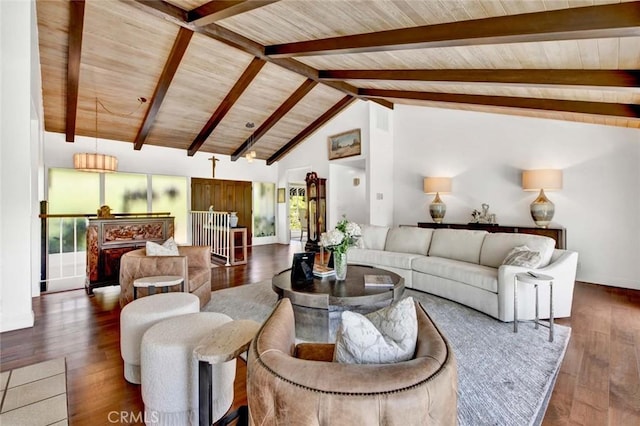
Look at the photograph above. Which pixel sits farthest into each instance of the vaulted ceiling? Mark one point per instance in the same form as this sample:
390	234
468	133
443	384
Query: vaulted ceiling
190	74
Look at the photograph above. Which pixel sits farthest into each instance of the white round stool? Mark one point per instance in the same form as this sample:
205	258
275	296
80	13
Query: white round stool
170	370
136	318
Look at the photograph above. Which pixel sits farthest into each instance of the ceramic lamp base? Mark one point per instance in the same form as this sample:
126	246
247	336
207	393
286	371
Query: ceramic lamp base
437	209
542	210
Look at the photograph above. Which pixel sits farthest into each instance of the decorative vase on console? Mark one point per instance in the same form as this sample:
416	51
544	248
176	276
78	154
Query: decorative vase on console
233	219
338	241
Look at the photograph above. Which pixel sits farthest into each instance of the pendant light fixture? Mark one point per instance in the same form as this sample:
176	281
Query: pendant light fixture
252	153
94	162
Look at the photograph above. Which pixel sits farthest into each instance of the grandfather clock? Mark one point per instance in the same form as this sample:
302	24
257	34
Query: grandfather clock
316	210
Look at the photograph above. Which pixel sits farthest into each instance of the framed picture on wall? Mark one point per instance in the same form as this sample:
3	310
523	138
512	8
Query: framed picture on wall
345	144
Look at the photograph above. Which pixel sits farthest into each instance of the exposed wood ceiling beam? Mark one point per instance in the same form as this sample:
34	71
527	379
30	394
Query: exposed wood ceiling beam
384	102
538	77
170	67
612	20
220	9
243	82
163	10
580	107
76	24
275	117
167	11
311	128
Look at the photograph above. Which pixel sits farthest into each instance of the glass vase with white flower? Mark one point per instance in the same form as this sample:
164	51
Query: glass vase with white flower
338	241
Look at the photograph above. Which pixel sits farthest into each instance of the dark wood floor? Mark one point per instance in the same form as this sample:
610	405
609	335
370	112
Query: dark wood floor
599	382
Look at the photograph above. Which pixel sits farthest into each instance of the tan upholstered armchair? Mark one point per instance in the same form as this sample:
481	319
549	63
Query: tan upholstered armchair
194	264
299	385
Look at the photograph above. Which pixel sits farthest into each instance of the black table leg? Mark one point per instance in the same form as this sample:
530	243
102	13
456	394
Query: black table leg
205	393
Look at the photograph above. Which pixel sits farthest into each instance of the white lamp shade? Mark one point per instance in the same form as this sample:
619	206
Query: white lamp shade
547	179
433	185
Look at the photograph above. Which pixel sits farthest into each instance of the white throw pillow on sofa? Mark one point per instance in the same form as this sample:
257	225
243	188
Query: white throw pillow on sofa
168	248
497	245
385	336
523	256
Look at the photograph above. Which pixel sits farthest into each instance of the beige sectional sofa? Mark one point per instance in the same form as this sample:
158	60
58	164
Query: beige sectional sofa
466	266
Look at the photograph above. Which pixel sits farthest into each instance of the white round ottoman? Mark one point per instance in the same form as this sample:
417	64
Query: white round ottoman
136	318
170	370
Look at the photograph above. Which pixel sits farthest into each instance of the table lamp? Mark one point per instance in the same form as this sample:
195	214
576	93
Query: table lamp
436	185
542	209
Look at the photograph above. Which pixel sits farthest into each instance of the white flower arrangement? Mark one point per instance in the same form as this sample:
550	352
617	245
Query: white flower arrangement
344	235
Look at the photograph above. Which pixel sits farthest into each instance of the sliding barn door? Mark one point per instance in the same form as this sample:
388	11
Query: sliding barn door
224	196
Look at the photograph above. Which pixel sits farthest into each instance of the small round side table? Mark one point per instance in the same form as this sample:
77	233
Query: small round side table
534	279
163	281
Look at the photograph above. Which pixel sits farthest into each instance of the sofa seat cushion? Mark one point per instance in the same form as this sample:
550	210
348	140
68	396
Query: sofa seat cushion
197	277
479	276
457	244
408	239
381	258
497	245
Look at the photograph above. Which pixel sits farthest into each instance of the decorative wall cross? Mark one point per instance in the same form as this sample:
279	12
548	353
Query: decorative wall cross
213	166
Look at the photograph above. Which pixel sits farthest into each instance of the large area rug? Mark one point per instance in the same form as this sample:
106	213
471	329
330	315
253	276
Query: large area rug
504	378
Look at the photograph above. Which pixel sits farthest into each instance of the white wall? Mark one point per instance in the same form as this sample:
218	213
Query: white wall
350	199
37	154
16	165
380	165
312	155
599	204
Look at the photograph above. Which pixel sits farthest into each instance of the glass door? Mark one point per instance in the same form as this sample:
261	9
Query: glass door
298	212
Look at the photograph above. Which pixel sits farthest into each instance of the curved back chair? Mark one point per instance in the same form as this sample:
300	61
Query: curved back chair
289	384
193	264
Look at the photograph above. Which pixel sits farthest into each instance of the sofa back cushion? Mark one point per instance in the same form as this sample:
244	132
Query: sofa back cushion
408	239
497	246
457	244
373	237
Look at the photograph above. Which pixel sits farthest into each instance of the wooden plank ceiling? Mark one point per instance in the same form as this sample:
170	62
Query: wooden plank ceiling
190	74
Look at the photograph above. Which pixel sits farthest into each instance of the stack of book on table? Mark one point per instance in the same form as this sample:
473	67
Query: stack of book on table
378	281
322	270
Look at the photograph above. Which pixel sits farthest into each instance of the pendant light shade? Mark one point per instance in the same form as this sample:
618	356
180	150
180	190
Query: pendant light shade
100	163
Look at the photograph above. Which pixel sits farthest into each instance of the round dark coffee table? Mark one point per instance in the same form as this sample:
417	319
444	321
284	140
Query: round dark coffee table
317	305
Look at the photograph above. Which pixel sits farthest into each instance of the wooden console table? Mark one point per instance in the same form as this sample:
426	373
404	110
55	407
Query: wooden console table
558	234
238	247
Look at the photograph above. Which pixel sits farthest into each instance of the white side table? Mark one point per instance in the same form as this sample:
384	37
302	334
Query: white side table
222	344
163	281
535	279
